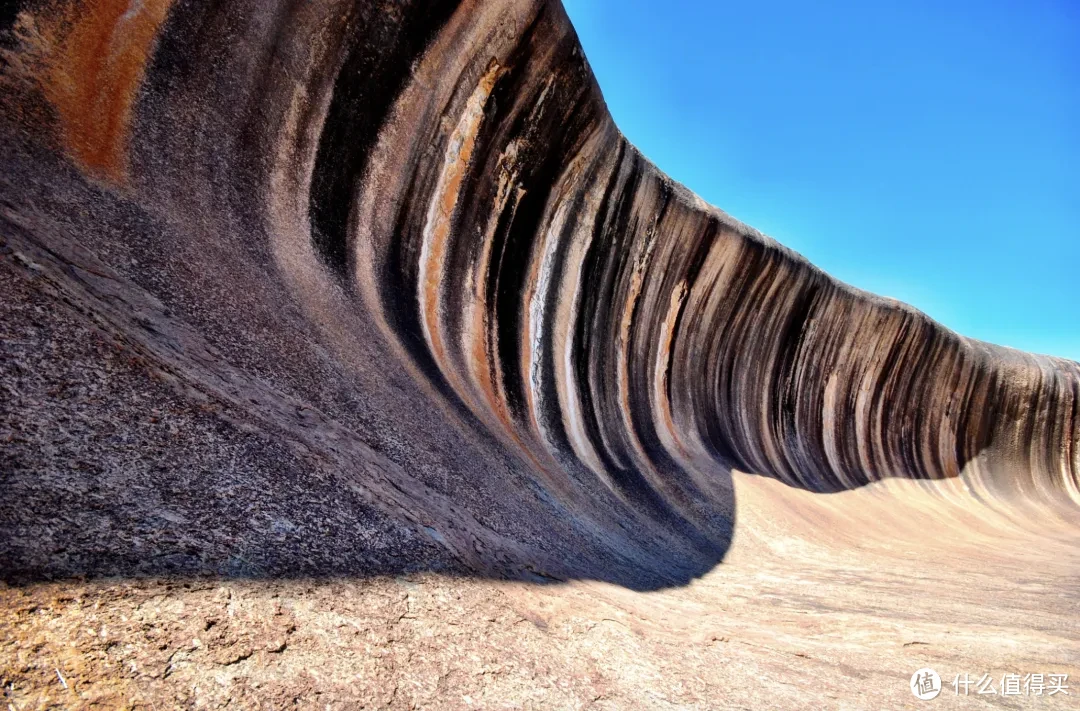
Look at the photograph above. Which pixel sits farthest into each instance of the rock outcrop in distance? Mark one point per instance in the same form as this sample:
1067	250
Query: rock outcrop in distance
406	242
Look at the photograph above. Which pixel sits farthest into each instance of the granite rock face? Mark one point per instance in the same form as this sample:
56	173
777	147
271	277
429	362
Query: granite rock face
304	289
444	177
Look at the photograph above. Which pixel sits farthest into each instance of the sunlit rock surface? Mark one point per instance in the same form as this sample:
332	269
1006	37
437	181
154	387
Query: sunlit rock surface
351	354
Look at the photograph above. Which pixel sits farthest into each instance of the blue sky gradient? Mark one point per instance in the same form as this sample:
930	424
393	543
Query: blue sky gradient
924	150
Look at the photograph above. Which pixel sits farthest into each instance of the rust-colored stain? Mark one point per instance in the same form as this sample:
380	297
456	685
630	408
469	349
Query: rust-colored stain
437	233
99	52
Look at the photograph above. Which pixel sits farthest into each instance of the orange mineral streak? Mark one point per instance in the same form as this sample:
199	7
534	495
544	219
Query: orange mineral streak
667	428
483	367
94	71
462	143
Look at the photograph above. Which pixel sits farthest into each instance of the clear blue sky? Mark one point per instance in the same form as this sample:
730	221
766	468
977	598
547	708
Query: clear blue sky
926	150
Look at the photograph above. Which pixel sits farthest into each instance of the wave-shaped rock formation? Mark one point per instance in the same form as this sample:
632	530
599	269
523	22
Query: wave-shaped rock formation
357	287
446	173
